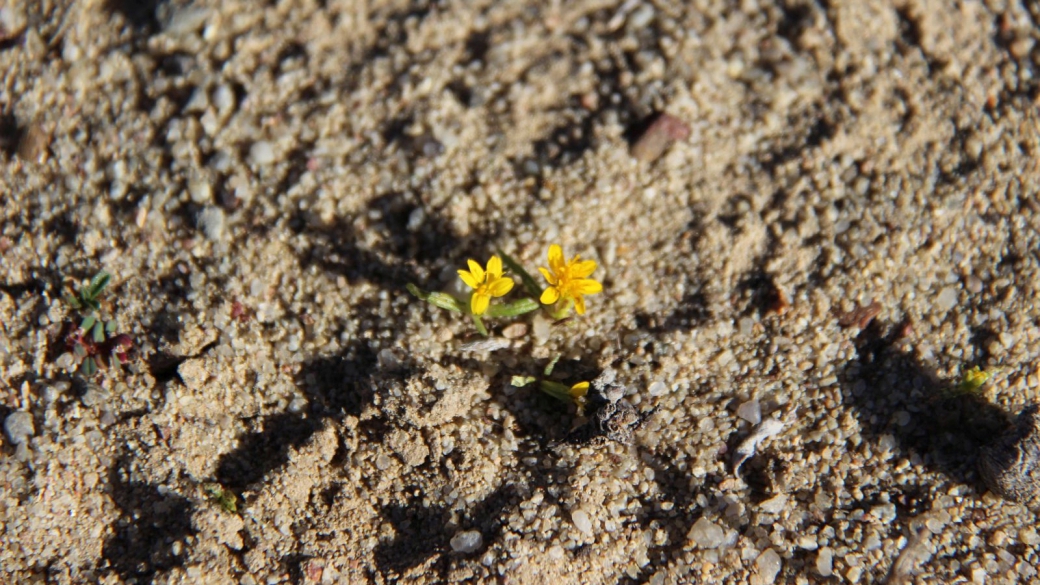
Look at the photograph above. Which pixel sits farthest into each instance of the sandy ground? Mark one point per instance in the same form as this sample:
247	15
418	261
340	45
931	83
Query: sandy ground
264	178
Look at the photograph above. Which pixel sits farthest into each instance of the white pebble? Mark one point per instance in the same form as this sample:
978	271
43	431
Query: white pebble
750	411
186	20
261	153
18	426
658	388
211	223
467	542
825	562
582	521
201	191
947	299
706	534
768	566
774	505
223	99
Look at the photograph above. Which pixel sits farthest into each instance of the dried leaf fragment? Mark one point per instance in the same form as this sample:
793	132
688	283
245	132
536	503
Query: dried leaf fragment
860	317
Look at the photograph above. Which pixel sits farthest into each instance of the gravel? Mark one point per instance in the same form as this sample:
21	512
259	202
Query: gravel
838	221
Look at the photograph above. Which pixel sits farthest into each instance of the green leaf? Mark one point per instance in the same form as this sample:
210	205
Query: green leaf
73	301
521	381
89	368
556	390
224	498
552	364
437	299
530	284
513	309
79	350
88	323
480	325
110	327
99	332
97	284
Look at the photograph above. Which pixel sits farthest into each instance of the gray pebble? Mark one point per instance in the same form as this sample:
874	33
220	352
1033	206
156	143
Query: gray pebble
18	426
211	223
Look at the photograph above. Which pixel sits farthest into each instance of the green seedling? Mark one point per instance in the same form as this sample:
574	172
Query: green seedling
95	340
224	498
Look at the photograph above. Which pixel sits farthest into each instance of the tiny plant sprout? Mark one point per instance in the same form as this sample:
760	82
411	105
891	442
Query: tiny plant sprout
225	499
92	342
973	380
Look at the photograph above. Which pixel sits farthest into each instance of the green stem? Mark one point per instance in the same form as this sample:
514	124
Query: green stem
513	309
528	281
480	325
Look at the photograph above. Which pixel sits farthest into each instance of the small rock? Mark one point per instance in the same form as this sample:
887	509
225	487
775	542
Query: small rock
467	542
514	330
187	19
223	99
825	562
947	299
768	566
582	521
658	388
774	505
211	223
261	153
750	411
18	426
662	133
706	534
201	191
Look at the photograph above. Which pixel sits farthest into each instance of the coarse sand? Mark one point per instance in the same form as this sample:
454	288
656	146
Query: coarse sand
841	219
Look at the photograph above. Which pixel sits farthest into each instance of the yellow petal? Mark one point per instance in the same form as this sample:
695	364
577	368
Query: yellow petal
580	389
586	286
579	304
500	287
476	270
468	279
479	303
494	268
550	296
582	269
556	262
548	275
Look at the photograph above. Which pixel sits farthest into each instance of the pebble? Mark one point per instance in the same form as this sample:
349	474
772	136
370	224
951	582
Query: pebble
18	426
661	134
261	153
514	330
188	19
706	534
750	411
582	521
223	99
768	566
211	223
201	191
825	562
658	388
467	542
946	299
774	505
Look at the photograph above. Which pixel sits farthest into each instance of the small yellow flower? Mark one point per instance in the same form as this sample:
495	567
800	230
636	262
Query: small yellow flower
487	283
974	379
578	393
568	280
